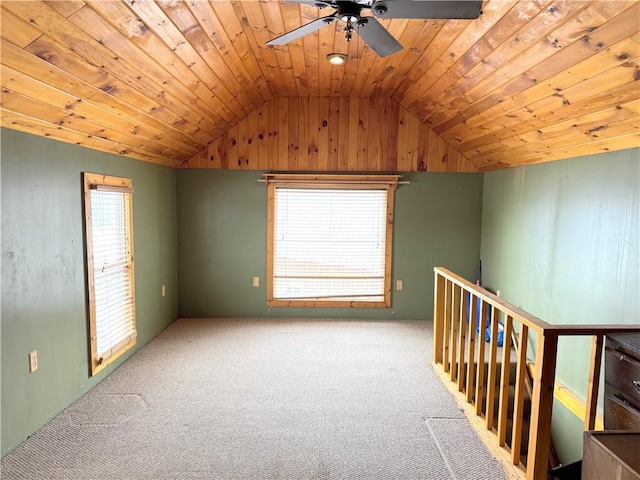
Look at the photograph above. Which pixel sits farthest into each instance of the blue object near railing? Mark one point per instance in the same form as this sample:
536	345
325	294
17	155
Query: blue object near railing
487	321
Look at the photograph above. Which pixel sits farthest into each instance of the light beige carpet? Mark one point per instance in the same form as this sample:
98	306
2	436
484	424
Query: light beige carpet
265	399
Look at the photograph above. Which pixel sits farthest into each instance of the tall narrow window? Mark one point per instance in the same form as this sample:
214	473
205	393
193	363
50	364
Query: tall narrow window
329	240
109	238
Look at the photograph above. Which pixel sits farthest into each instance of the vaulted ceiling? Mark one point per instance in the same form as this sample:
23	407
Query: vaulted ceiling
170	81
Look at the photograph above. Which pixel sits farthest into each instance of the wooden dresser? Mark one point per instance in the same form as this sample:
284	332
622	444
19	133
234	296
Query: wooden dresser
611	455
622	382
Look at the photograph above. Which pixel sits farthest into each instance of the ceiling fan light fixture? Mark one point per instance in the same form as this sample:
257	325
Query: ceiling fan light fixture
337	58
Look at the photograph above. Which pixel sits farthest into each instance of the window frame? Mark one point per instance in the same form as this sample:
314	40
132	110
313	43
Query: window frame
387	183
93	181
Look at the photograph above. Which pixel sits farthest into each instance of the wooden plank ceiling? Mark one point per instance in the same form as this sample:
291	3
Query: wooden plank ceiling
182	82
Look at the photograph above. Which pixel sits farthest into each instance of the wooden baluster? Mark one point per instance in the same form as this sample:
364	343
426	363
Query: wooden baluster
480	368
542	406
594	382
491	377
472	347
447	325
455	327
438	318
464	316
518	403
503	402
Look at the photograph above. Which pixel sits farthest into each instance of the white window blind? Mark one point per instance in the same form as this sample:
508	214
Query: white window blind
329	239
110	262
330	244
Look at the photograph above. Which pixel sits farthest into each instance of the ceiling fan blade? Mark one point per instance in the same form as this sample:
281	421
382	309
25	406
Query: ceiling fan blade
302	31
314	3
426	9
377	37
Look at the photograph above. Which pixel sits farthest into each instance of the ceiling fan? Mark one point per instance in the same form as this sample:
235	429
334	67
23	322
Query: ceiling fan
369	29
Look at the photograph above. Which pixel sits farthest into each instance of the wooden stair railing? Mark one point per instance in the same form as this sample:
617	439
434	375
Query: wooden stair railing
482	380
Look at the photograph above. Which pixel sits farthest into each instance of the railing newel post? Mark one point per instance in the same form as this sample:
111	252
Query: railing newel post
438	317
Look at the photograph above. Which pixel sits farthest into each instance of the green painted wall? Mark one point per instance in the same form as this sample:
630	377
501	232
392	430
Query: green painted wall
561	241
43	272
222	243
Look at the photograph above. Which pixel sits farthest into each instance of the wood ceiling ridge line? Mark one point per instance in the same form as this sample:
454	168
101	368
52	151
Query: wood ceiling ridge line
342	77
467	35
311	49
260	35
37	68
607	33
355	52
275	26
480	53
329	74
129	48
28	86
420	44
367	67
291	17
267	89
243	47
157	22
387	70
24	123
233	78
412	86
47	21
165	27
385	67
493	17
553	93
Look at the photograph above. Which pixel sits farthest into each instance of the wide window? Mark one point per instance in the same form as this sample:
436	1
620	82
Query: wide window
109	239
330	240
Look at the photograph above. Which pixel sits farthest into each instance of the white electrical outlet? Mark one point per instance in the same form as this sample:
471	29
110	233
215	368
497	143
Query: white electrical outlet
256	281
399	285
164	290
33	361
